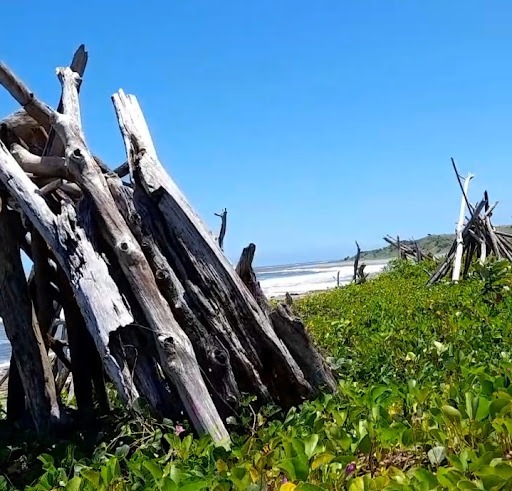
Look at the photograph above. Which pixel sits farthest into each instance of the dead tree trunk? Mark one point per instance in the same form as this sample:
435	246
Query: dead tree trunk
288	327
356	263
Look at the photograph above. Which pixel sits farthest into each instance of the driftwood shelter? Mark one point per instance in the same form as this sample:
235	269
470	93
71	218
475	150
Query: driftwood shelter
148	299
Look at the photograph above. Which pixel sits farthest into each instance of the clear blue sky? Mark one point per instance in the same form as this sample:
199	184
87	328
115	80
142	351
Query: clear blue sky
314	122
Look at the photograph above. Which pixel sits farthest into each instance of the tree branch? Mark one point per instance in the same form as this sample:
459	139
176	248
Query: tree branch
35	108
223	216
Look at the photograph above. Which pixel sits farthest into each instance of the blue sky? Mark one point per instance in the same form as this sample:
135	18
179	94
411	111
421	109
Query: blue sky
314	123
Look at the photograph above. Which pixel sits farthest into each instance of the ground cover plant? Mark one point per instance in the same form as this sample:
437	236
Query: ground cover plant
424	403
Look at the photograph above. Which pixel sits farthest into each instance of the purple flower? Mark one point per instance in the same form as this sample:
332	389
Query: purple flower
284	480
350	468
178	430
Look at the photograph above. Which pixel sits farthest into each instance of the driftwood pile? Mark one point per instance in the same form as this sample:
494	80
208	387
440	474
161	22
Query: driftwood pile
149	300
475	239
478	240
408	249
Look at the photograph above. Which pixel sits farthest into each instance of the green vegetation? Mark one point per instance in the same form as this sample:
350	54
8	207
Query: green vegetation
425	402
436	244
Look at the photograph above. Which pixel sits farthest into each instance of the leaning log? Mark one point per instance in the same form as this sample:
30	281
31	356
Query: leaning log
288	327
21	327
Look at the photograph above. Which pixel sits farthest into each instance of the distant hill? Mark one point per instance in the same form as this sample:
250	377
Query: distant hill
437	244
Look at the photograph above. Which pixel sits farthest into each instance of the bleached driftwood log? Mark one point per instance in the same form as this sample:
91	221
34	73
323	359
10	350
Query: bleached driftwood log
460	225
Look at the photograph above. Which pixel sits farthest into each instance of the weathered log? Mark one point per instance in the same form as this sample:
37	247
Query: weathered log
209	278
492	236
212	356
293	333
82	352
40	166
24	128
289	328
22	330
134	348
97	295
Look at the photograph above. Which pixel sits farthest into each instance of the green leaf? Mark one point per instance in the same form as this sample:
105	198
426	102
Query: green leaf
194	486
466	485
485	459
297	467
497	405
122	451
47	461
344	439
310	445
426	477
357	484
92	476
74	484
436	455
483	408
451	413
154	469
365	444
321	459
305	486
472	402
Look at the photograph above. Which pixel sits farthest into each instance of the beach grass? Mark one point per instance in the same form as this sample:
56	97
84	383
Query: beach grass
424	402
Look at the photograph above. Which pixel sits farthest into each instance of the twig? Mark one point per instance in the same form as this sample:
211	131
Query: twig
470	207
223	216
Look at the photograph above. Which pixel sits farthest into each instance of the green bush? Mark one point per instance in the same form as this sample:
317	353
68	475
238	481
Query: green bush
424	403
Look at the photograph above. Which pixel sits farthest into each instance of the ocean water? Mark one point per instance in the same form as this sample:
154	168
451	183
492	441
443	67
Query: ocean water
276	281
305	277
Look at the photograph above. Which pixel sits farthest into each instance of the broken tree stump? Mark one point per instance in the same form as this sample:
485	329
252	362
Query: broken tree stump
288	328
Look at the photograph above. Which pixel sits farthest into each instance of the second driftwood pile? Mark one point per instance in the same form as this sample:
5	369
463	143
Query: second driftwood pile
478	240
149	300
